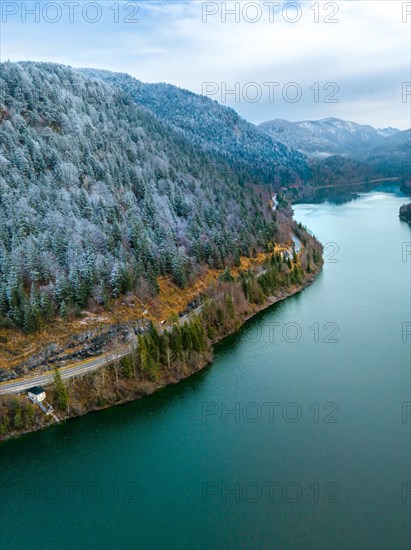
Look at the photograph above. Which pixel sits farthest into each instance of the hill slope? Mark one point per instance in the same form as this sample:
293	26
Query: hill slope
215	128
98	197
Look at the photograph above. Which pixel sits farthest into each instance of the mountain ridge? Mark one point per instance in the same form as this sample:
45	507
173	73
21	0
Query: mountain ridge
332	136
214	127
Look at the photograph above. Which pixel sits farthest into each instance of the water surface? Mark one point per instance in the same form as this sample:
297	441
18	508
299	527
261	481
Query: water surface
314	453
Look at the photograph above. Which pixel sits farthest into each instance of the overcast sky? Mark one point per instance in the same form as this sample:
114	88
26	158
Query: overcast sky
292	60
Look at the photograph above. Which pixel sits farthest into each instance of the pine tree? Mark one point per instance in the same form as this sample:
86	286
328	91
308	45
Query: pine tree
17	416
176	342
64	311
230	306
60	391
29	414
226	275
116	280
179	270
152	277
237	260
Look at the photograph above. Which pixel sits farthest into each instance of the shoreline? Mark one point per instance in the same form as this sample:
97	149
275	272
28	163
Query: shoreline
202	363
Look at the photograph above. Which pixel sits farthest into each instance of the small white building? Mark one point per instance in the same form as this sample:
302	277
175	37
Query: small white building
37	394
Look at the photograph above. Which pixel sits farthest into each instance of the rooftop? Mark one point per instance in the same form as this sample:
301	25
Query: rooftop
36	390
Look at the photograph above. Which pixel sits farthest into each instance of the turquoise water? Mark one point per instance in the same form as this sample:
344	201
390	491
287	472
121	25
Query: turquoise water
314	454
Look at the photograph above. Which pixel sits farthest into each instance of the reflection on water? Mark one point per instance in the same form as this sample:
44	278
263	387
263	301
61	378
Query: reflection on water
344	194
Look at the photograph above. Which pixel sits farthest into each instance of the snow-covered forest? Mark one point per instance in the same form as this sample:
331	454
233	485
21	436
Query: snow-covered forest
98	197
216	128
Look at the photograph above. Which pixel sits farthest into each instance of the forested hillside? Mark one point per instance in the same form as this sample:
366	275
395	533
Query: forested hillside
405	212
216	128
98	197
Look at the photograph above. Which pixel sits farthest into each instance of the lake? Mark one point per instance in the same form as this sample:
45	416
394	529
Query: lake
298	435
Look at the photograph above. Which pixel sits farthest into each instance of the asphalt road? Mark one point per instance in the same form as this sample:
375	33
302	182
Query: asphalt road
13	387
18	386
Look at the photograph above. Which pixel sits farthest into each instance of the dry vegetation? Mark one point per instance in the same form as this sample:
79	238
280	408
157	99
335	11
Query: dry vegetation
16	346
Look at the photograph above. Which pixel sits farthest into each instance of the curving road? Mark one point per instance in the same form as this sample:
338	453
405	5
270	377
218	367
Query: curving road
18	386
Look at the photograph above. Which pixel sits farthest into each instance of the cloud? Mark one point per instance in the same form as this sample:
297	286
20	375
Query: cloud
365	53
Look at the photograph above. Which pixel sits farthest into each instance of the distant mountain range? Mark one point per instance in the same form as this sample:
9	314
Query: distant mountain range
384	149
279	152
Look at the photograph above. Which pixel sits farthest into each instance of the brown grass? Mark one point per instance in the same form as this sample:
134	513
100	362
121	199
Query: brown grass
16	347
